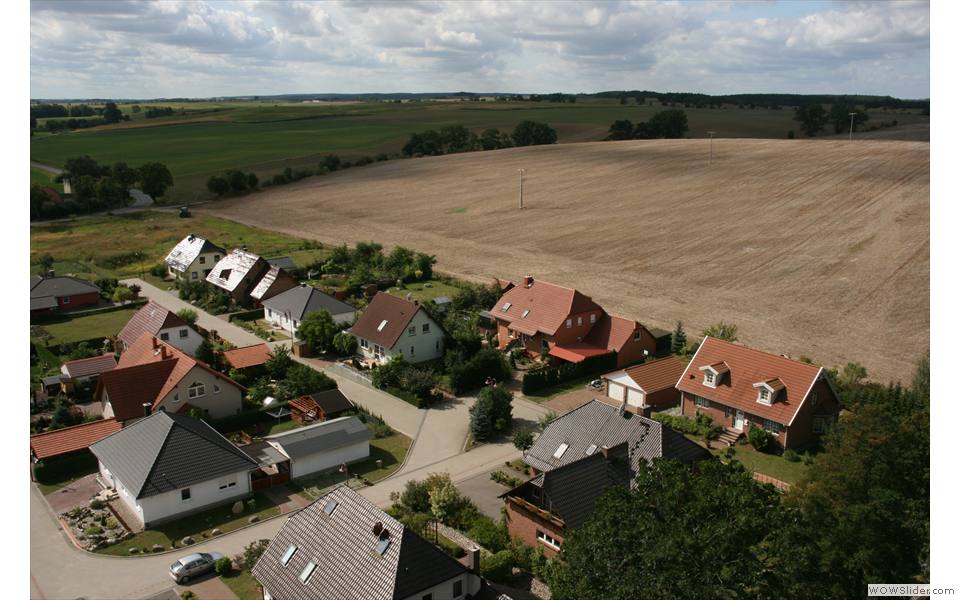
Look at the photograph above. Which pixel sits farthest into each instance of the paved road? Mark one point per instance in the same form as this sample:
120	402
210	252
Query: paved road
47	168
59	570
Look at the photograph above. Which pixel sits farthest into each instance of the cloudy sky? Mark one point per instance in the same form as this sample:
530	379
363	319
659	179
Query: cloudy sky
207	48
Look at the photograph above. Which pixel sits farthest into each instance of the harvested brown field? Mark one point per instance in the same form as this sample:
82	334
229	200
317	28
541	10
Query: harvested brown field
817	248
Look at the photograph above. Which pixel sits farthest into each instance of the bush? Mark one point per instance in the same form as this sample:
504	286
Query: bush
807	459
488	363
522	439
537	380
498	567
158	270
504	479
791	455
489	534
252	553
93	530
223	566
759	438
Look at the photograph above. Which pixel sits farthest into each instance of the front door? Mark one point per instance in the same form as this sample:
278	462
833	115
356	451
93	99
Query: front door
738	421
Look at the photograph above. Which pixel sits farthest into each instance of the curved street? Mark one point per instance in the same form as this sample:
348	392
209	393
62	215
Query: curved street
58	570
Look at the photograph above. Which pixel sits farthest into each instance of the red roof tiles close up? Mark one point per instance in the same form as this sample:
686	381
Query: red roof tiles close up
541	306
247	356
71	439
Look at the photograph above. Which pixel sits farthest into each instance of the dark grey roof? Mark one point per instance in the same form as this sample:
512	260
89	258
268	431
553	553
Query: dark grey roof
343	546
59	287
44	302
51	380
332	401
299	301
188	249
602	425
284	262
166	451
321	437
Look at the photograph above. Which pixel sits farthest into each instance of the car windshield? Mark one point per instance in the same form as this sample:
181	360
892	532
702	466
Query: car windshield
176	566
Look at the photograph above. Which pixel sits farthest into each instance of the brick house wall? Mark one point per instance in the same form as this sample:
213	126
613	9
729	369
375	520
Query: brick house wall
827	408
78	300
632	351
725	415
663	399
523	524
580	326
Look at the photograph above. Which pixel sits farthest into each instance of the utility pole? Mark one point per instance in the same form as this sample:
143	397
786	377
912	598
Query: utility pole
521	187
852	115
711	147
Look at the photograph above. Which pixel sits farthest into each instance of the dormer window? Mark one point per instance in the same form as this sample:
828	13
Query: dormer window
709	378
767	390
712	374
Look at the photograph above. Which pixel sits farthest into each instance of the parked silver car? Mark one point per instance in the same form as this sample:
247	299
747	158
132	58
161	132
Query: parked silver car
193	565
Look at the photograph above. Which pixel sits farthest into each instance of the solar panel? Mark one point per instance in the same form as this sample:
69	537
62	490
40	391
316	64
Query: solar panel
330	507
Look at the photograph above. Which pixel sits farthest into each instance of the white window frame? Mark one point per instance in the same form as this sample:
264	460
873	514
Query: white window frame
65	300
548	540
579	321
593	318
194	275
216	388
412	330
196	390
701	402
772	426
203	260
364	343
764	396
710	378
569	323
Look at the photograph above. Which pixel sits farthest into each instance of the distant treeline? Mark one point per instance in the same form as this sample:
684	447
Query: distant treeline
108	113
769	99
458	138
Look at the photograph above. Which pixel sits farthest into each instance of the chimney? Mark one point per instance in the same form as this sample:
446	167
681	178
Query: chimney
190	237
605	452
527	280
163	353
154	342
474	554
146	409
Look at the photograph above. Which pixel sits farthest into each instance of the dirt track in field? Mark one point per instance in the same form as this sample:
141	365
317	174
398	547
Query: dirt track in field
811	247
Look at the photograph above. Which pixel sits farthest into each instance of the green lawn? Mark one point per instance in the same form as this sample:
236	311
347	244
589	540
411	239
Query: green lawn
418	291
544	394
243	585
85	246
44	178
769	464
195	526
87	327
284	426
391	450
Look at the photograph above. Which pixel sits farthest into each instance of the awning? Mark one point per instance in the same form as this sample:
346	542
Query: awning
577	353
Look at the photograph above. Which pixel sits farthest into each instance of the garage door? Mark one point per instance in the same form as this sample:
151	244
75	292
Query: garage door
634	397
615	391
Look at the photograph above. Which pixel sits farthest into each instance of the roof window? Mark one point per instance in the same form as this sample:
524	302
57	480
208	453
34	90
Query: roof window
308	571
291	549
330	507
560	450
382	324
591	449
525	313
506	307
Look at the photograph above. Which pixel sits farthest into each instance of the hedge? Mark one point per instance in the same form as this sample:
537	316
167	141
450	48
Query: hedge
407	397
56	470
246	315
240	421
538	380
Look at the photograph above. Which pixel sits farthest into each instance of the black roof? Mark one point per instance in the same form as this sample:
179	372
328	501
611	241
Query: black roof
332	401
345	550
166	451
284	262
59	287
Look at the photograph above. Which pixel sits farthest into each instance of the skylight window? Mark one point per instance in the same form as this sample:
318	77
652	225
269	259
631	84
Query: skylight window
330	507
382	545
506	306
560	450
308	571
382	324
291	550
525	313
591	449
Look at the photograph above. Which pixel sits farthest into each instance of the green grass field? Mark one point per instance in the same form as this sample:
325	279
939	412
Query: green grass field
83	246
267	137
41	177
88	327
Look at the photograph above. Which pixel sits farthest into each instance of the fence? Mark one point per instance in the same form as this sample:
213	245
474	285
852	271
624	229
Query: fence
352	374
783	486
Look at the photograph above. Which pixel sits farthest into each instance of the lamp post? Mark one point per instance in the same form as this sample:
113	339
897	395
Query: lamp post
711	147
521	186
852	115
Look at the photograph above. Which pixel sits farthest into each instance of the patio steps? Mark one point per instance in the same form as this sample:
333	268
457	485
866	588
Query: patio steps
729	437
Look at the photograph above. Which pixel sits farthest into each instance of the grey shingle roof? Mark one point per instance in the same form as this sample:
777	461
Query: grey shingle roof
59	287
299	301
321	437
600	424
188	249
343	546
284	262
166	451
332	401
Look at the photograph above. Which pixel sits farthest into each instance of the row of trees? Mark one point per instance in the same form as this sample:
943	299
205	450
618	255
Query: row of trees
366	262
108	113
665	124
97	187
458	138
814	118
233	182
861	516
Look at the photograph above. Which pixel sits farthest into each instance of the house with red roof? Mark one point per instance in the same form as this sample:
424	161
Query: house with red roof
392	326
70	440
741	388
545	318
165	324
152	374
248	357
646	387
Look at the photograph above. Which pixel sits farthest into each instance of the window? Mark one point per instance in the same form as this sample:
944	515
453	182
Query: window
771	426
185	494
593	318
196	390
764	395
227	484
291	550
438	345
66	299
412	330
183	332
814	399
506	307
548	539
194	275
636	335
164	336
426	327
176	397
427	597
412	351
820	424
544	345
203	260
560	450
216	388
569	323
269	312
702	402
579	321
307	571
363	343
457	588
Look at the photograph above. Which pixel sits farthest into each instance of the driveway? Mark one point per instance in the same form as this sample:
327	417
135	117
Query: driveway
74	494
485	492
564	403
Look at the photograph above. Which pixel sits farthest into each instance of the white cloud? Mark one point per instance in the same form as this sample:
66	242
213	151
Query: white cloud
167	48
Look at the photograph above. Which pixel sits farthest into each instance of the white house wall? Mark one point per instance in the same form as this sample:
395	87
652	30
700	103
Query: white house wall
197	271
444	591
324	461
187	344
219	404
287	323
203	495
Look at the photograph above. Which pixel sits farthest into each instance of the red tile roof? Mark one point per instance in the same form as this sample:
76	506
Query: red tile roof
548	304
389	311
576	352
71	439
658	374
151	318
747	367
247	356
148	371
613	332
85	367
